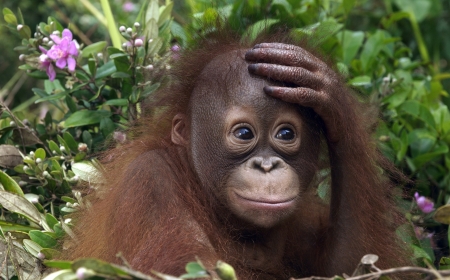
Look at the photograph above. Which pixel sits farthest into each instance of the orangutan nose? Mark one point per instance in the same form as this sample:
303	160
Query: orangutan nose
266	164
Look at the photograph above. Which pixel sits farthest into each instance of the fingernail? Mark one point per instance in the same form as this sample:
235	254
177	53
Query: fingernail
252	68
268	90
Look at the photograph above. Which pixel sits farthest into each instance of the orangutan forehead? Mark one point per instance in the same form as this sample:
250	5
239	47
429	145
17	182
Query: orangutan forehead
227	78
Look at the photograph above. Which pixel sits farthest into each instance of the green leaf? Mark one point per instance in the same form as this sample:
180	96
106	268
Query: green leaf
260	26
86	117
413	107
360	81
194	267
51	220
10	18
351	42
424	158
40	153
44	240
68	199
32	247
54	147
50	253
372	48
86	171
421	142
121	75
8	226
71	104
117	102
73	145
20	205
105	70
98	266
93	48
152	12
25	32
419	8
9	184
165	14
107	127
63	143
58	264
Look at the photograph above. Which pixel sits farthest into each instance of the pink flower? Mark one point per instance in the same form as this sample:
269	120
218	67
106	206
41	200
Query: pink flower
46	64
128	6
64	51
425	204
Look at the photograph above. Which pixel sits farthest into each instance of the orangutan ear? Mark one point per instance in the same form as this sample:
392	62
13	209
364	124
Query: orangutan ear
180	130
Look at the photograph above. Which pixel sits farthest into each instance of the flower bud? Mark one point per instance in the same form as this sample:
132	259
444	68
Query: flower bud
122	29
45	40
66	221
124	45
225	271
137	25
40	256
56	32
23	183
22	57
19	27
62	148
38	160
12	123
129	30
100	55
54	152
150	41
25	168
84	273
82	147
149	67
50	43
138	42
46	174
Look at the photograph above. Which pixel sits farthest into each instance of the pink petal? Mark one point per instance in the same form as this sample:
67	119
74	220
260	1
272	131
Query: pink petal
51	72
54	53
64	44
67	34
61	63
42	49
73	50
55	38
71	63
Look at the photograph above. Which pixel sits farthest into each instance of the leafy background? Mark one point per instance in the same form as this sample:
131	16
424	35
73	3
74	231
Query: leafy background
394	53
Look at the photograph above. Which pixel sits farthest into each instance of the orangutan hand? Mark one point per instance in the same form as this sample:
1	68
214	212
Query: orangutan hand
311	82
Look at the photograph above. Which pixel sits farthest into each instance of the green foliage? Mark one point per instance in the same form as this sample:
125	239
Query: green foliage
383	49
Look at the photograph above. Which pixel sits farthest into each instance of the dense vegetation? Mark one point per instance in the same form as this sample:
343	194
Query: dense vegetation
58	112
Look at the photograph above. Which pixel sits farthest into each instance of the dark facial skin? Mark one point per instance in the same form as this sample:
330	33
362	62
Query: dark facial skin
247	148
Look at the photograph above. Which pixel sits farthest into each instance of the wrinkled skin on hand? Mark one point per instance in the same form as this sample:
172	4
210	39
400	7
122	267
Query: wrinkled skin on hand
310	82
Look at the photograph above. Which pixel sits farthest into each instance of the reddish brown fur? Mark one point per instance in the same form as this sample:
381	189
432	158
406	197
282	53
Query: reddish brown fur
153	210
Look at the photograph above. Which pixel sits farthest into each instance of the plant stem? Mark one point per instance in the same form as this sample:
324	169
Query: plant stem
111	24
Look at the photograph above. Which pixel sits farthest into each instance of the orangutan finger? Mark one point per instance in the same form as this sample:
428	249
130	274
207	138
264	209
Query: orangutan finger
296	75
282	57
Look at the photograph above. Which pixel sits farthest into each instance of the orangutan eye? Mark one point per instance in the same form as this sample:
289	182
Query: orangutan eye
243	133
285	134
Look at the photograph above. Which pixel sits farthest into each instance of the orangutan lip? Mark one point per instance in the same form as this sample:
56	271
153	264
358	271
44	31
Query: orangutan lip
268	202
